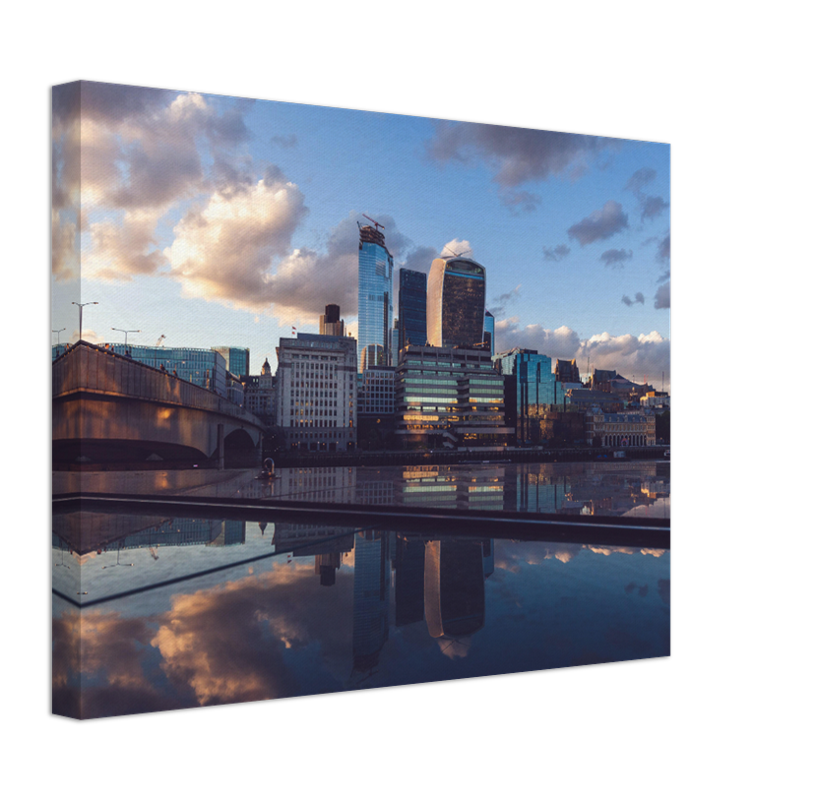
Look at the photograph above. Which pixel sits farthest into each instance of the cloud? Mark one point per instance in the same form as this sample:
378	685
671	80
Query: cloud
650	206
616	258
662	299
499	304
223	250
461	246
556	253
64	248
646	354
517	155
638	298
420	259
521	202
664	249
600	224
286	142
143	151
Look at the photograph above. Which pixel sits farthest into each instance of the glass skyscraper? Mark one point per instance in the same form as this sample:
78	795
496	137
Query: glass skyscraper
237	359
412	308
375	299
530	388
456	293
489	331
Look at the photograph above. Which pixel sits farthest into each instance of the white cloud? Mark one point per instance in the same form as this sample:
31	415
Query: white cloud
454	246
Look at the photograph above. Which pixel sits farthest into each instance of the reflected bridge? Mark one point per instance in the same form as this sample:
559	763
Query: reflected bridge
109	409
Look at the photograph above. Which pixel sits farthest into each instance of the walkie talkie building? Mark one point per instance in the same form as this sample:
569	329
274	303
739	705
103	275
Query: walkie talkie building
375	299
456	294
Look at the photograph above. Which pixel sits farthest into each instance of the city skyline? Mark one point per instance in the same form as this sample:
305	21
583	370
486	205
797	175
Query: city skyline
222	221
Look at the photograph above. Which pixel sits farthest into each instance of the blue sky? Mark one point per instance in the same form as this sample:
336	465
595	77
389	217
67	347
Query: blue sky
214	220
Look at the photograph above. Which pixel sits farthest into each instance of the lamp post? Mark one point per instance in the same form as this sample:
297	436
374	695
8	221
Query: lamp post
122	330
57	333
81	306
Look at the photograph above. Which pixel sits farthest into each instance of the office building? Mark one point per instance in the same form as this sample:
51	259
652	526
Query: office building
204	368
330	322
567	371
620	430
375	299
376	396
530	389
456	292
316	392
489	332
237	359
259	394
449	397
412	308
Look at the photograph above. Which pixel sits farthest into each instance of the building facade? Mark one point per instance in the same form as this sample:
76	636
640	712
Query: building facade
316	392
620	430
456	293
330	322
259	394
236	358
375	290
412	308
567	371
376	396
489	331
530	390
204	368
449	397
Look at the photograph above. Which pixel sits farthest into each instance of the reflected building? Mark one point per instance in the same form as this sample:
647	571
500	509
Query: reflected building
456	293
375	291
371	598
409	580
453	588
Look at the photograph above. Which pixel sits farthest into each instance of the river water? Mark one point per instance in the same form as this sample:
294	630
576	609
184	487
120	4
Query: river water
194	611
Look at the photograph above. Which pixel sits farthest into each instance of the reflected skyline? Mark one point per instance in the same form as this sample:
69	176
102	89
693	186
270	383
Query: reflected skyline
328	609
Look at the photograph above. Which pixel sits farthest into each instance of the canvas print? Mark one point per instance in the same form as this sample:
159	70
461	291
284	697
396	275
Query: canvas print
344	399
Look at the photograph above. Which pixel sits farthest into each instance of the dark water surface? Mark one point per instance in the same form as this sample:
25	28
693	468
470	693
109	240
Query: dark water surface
182	612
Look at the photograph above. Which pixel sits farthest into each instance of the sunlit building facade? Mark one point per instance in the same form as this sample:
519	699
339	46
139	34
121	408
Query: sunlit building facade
449	397
530	390
456	293
316	392
620	430
237	359
330	322
375	290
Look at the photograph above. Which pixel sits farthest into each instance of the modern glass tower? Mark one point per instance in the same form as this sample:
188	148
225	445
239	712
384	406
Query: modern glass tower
412	308
375	299
456	293
489	331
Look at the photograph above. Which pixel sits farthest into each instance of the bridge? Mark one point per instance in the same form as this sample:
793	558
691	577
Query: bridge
110	410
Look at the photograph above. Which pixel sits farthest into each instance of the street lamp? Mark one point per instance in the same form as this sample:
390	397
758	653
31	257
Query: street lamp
122	330
57	333
81	306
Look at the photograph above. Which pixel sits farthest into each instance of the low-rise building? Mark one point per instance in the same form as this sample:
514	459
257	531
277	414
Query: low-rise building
627	429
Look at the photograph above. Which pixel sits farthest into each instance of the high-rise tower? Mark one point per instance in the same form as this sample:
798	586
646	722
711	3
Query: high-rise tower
375	298
456	293
330	322
412	308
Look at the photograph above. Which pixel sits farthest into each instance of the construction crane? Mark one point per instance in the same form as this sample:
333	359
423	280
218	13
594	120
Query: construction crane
160	340
378	226
455	255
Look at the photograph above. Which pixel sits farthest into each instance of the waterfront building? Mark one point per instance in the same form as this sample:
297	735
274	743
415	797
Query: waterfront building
204	368
530	390
412	308
316	392
620	429
489	332
376	395
237	359
330	322
375	293
449	397
456	292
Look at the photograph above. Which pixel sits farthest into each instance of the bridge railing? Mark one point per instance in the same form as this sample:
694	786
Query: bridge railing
89	368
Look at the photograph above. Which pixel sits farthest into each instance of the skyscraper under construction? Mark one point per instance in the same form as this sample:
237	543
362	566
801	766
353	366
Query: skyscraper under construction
375	298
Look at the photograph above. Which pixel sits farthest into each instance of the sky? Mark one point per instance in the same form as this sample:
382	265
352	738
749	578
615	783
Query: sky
214	220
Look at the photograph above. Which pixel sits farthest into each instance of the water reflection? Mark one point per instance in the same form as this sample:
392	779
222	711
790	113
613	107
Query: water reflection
220	611
640	488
